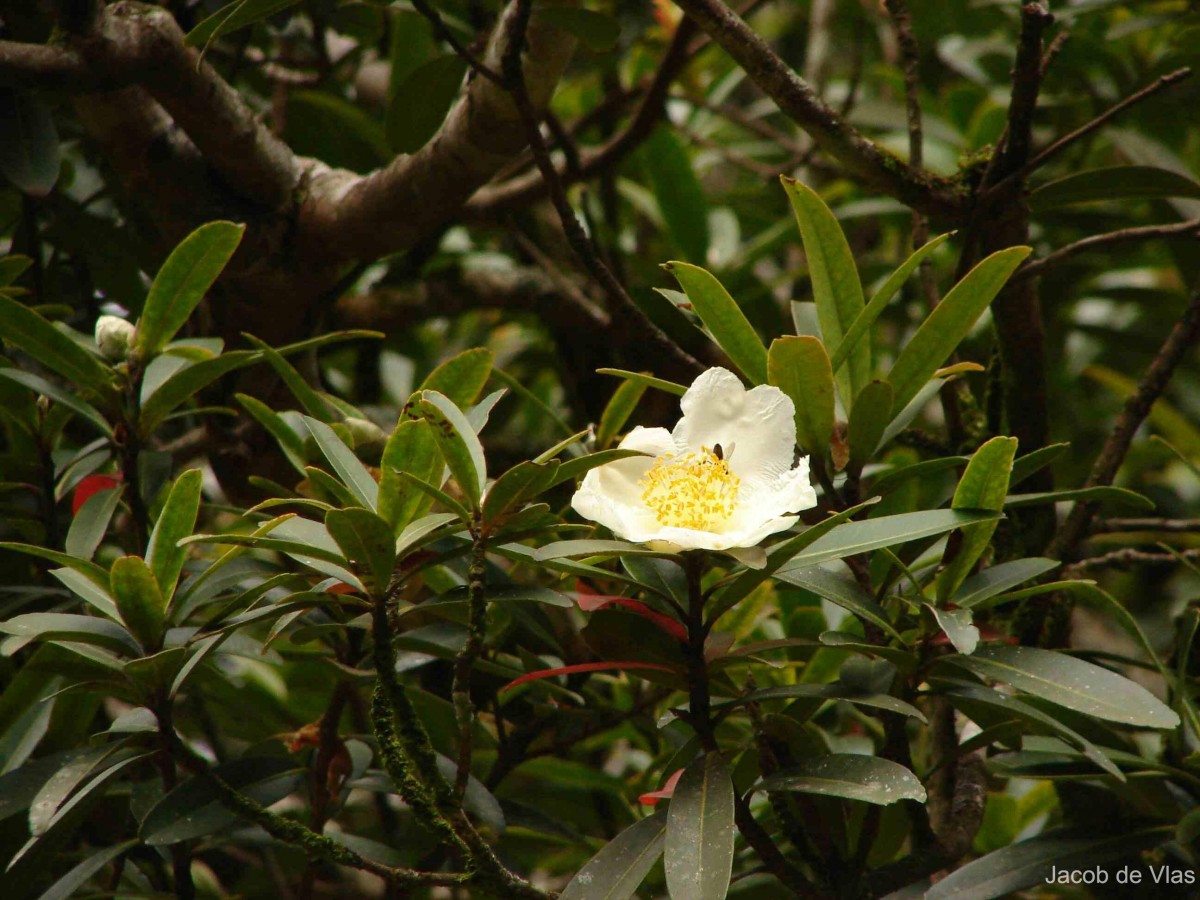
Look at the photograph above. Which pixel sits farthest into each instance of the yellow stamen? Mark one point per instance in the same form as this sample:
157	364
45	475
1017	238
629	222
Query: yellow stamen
691	490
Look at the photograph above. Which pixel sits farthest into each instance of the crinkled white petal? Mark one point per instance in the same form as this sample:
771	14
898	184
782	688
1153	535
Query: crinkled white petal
758	425
611	494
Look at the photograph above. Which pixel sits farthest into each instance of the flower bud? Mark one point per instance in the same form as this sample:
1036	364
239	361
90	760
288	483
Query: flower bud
114	336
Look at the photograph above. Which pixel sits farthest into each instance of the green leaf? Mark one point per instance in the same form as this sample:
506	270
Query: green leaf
880	299
869	419
836	288
78	876
849	775
176	521
421	101
800	367
828	692
778	557
1101	493
410	449
458	442
515	488
461	377
368	543
191	810
616	871
1113	183
182	282
998	579
844	592
353	474
661	384
724	319
88	569
12	267
984	485
618	410
595	30
678	191
959	627
139	600
64	627
91	523
30	157
1029	863
581	465
328	127
698	849
560	549
859	537
289	441
1070	682
23	328
938	336
97	597
310	401
233	16
186	384
57	394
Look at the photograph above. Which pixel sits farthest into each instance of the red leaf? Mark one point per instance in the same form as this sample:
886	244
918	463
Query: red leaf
89	485
591	602
663	793
341	587
582	667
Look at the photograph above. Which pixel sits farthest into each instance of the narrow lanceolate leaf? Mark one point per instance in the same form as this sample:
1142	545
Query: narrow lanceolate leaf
23	328
352	473
29	154
1070	682
616	871
1113	183
700	831
983	485
59	395
849	775
622	404
77	877
183	281
836	289
958	625
176	521
880	299
678	191
870	417
410	449
461	377
458	442
367	542
724	319
996	580
949	323
91	523
1029	863
800	367
139	600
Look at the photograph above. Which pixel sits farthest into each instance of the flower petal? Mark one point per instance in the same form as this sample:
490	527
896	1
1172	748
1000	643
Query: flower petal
758	425
767	498
611	494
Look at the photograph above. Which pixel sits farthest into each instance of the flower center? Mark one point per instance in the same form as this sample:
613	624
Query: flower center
691	490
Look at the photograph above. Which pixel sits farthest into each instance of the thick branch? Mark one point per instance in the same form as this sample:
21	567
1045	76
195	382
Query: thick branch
797	99
1178	343
345	216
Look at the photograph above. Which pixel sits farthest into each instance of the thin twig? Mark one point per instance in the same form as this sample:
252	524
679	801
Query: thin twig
1150	387
1129	557
443	33
1038	267
626	314
1172	526
1067	140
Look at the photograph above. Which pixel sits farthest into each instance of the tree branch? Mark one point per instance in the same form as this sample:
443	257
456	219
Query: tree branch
797	99
1137	406
1038	267
1128	557
345	216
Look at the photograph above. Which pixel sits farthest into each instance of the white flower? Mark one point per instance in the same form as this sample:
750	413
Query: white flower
723	478
114	336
